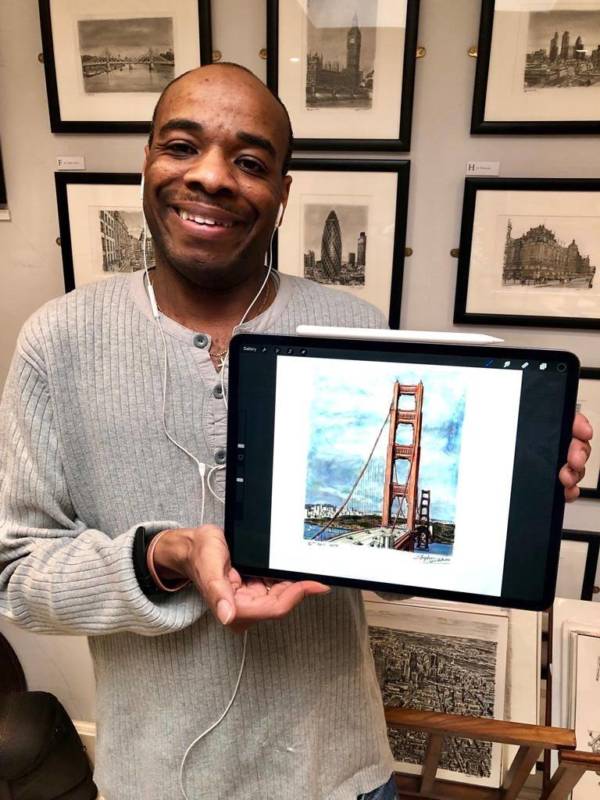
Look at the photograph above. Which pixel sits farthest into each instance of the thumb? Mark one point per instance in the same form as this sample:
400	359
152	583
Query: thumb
213	569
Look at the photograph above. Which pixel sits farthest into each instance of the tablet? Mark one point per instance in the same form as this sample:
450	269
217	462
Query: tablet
422	469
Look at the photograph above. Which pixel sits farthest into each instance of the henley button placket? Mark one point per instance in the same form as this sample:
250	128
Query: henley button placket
201	340
220	455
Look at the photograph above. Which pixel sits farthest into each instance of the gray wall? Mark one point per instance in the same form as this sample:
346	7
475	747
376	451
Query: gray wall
31	267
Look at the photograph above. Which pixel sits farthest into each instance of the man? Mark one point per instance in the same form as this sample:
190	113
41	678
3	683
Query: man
104	449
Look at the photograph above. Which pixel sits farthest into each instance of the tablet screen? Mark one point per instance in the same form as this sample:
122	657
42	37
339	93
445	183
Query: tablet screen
424	469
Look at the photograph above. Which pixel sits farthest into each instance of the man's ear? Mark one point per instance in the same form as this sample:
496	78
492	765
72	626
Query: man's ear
285	191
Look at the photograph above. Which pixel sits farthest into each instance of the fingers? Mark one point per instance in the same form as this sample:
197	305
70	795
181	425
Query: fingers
578	454
212	572
254	604
572	494
582	428
569	479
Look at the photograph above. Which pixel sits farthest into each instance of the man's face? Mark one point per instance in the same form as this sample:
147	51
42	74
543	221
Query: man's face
213	176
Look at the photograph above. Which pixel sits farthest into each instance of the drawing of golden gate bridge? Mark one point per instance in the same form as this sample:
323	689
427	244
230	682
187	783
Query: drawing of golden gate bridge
405	521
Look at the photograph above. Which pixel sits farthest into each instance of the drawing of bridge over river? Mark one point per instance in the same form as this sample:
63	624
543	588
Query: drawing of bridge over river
397	495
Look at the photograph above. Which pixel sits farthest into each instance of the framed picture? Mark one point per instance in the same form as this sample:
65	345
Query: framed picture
107	65
441	659
538	67
522	702
569	620
588	402
578	564
530	253
345	70
345	226
584	705
3	199
2	185
101	228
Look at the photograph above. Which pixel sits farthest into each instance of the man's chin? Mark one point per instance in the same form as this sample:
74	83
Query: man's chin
210	274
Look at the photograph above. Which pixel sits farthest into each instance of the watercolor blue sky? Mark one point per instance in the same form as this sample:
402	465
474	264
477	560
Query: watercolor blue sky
350	403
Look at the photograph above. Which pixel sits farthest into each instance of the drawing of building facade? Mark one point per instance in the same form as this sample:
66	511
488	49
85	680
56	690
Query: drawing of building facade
538	258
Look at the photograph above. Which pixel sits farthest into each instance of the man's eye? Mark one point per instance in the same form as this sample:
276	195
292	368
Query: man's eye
180	148
251	164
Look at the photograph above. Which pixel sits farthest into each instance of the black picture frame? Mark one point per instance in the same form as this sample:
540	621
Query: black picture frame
588	579
402	143
402	169
479	124
62	181
60	125
472	187
593	374
3	197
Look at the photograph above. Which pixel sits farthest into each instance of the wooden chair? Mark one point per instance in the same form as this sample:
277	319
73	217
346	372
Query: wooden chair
531	740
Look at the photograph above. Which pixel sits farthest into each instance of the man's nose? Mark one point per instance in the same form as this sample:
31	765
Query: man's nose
211	171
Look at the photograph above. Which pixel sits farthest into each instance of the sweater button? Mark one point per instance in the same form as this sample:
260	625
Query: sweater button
218	391
220	455
201	340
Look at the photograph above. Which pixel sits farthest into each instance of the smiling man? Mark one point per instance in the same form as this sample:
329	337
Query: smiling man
113	430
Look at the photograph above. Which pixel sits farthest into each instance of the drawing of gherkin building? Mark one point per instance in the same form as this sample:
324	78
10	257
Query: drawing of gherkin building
331	247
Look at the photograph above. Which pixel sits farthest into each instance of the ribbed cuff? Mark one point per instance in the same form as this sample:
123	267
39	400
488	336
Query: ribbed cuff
141	540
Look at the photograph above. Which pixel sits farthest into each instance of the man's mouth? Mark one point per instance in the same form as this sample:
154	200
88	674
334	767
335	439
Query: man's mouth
202	219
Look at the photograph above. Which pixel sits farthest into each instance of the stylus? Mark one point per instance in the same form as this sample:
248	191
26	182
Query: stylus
396	336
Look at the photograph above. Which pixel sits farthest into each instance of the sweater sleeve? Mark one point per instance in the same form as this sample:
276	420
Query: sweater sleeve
56	574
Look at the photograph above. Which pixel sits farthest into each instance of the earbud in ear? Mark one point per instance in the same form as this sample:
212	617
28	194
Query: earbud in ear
142	188
279	215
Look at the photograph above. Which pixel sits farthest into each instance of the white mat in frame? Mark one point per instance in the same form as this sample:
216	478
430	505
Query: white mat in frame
568	617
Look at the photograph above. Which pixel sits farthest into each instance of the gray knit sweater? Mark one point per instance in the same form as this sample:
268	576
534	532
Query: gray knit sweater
84	462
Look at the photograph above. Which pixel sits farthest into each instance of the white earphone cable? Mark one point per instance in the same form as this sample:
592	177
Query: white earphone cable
269	266
204	479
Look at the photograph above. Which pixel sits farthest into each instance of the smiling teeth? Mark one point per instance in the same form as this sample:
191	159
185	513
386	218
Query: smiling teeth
203	220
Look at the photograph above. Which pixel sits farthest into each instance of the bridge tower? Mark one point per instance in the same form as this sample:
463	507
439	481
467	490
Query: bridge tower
411	453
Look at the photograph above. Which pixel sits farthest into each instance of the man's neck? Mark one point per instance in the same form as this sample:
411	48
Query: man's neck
203	309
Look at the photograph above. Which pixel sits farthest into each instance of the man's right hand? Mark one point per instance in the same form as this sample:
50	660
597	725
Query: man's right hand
201	554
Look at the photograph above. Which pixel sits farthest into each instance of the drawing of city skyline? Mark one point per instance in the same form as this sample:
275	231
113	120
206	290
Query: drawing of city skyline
126	55
340	53
335	243
563	49
449	674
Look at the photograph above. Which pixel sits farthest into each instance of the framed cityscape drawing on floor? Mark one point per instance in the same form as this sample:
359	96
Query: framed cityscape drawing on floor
345	70
107	64
588	402
100	218
538	67
439	659
345	226
530	253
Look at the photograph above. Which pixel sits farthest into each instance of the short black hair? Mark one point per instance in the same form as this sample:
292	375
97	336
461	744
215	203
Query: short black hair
232	64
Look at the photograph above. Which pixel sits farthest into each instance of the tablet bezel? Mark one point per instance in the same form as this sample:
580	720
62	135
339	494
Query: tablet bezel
367	347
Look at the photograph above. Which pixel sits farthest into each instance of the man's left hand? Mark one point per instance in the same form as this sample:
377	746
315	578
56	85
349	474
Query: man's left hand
579	452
